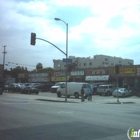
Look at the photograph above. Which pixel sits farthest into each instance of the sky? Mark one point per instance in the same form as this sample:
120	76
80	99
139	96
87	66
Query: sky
108	27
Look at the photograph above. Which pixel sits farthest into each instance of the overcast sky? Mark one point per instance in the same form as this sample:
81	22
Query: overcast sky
108	27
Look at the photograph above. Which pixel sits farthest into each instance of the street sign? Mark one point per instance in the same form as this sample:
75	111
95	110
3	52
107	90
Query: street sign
67	60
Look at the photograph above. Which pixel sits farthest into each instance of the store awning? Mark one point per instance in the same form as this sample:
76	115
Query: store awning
97	78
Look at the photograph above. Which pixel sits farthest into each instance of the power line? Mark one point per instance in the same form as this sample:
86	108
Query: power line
20	64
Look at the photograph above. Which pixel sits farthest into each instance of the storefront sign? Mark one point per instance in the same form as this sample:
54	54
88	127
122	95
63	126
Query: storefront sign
61	78
21	75
98	72
38	74
59	73
39	79
74	73
127	71
97	78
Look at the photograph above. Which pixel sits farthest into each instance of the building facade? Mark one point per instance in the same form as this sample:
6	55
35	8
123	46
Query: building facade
93	62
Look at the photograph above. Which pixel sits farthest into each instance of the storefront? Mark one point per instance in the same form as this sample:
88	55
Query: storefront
59	77
77	76
130	76
38	77
97	79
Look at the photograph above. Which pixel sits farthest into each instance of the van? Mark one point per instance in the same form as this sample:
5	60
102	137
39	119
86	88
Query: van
105	89
54	87
73	89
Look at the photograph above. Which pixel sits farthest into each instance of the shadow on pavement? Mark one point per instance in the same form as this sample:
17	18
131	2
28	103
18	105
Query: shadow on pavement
49	100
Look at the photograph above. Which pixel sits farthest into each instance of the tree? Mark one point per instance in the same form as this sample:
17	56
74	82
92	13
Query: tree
39	66
16	71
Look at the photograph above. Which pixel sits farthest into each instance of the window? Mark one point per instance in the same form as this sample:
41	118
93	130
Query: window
90	63
84	64
106	59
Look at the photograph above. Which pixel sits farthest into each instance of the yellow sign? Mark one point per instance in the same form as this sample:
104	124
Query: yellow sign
61	78
127	70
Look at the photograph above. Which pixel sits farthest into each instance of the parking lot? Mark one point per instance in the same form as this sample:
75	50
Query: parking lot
48	96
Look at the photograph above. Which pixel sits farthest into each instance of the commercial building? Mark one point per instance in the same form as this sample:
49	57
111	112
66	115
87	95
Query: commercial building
93	62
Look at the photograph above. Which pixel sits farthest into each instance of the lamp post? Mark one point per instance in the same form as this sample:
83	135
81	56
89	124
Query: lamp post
58	19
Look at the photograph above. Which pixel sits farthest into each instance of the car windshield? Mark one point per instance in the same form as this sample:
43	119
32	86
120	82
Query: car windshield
57	84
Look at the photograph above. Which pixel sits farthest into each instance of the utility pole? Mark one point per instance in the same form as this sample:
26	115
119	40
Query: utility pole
4	60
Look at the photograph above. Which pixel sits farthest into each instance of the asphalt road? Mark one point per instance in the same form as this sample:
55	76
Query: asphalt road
24	117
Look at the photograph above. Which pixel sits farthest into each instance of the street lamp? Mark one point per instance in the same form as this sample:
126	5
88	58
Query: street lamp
58	19
3	67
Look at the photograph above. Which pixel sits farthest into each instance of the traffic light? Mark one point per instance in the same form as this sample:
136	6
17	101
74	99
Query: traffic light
33	39
117	69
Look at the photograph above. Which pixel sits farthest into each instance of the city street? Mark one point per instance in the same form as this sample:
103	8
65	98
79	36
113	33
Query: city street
46	117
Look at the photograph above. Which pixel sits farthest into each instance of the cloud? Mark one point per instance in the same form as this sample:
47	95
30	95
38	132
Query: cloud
95	27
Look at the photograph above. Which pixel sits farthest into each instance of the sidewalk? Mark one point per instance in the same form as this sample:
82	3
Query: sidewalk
95	99
103	100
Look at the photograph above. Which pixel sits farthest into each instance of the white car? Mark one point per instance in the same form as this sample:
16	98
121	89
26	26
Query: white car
122	92
105	89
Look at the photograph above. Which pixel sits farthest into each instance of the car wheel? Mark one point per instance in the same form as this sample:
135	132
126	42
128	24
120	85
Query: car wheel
58	94
100	94
108	93
76	95
37	93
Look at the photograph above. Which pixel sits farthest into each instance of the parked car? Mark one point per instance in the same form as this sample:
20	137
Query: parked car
45	87
105	89
14	87
29	90
56	86
122	92
94	87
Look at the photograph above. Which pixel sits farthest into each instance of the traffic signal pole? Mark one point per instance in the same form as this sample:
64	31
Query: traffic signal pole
33	41
117	71
117	89
52	44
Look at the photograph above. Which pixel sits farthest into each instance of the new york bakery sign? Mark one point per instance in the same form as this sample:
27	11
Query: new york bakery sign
74	73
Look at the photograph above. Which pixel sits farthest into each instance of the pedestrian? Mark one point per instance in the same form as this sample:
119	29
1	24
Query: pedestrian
90	92
82	94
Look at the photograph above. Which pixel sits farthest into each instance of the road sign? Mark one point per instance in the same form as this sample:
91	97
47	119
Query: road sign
67	60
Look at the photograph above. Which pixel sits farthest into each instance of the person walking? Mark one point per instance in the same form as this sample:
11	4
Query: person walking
90	92
82	94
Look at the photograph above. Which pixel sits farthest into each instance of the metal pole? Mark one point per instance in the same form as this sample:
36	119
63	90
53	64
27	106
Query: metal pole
117	90
66	58
4	64
65	54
